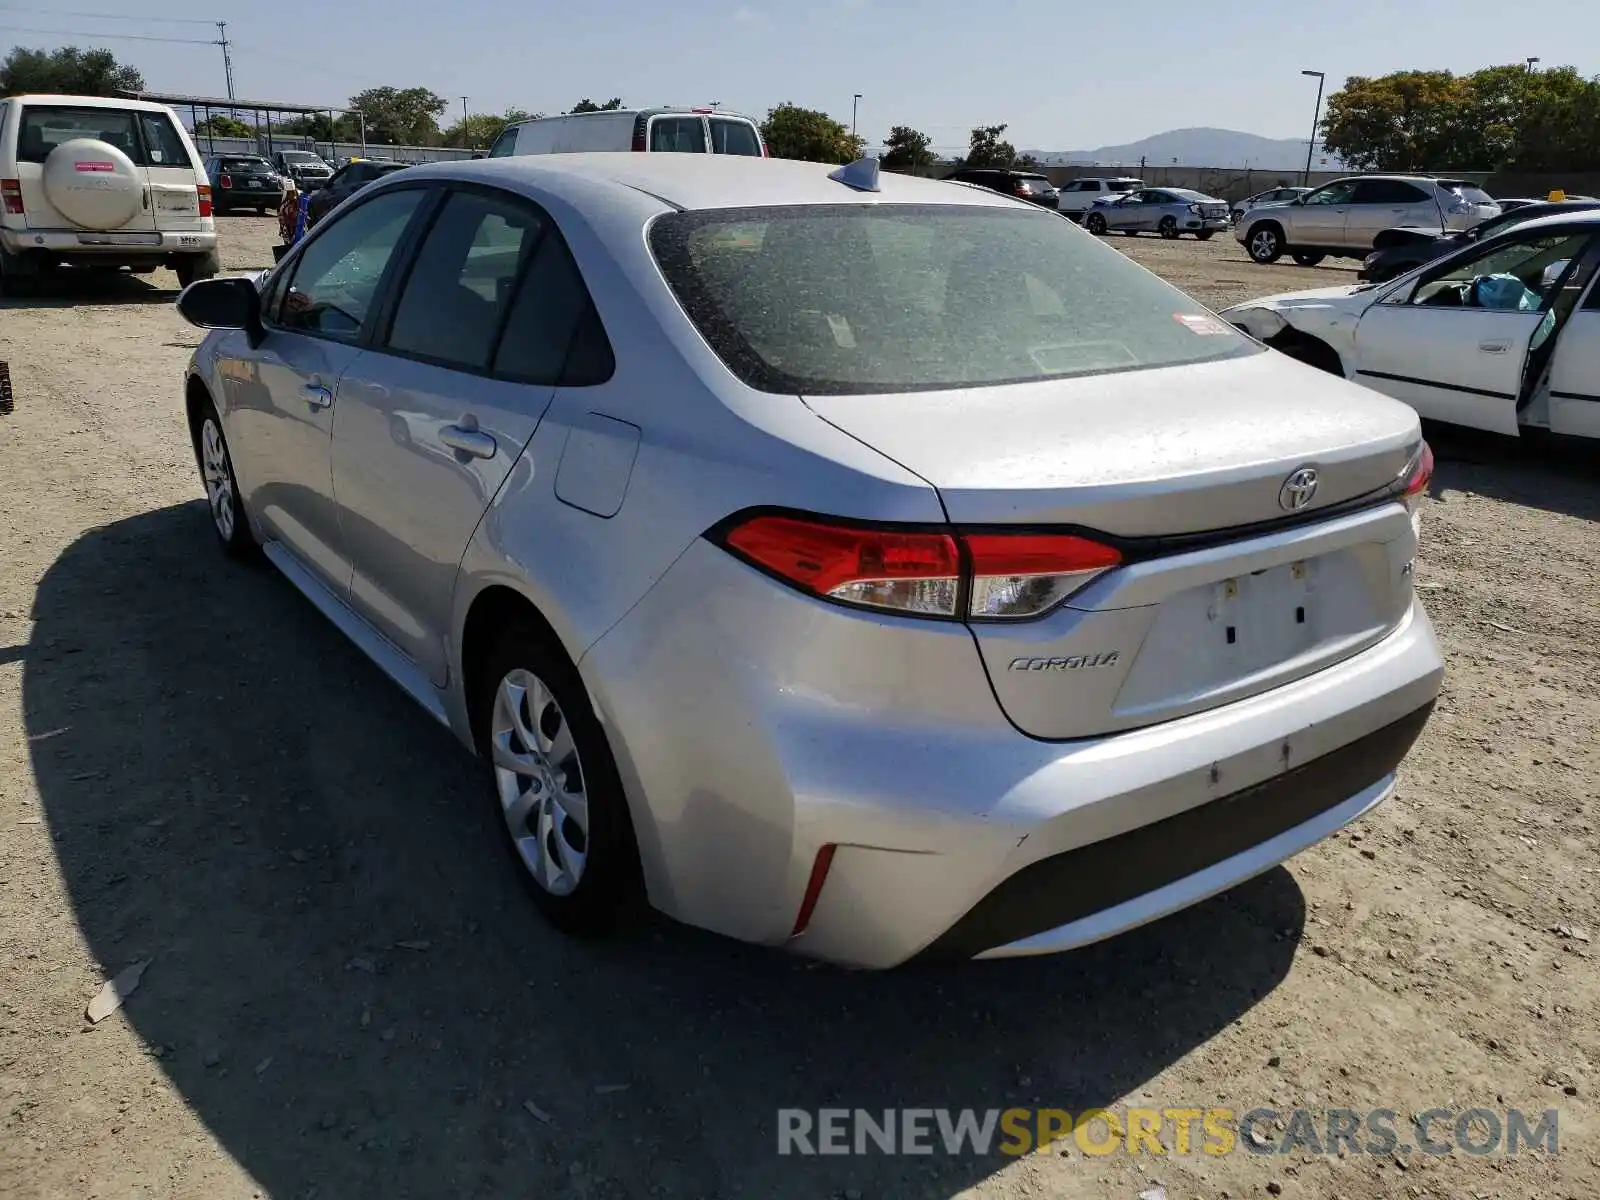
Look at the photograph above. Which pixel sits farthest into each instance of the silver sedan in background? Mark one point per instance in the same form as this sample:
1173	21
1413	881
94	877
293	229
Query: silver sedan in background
849	562
1167	211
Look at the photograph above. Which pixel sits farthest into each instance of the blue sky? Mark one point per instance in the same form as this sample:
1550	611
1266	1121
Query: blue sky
1062	75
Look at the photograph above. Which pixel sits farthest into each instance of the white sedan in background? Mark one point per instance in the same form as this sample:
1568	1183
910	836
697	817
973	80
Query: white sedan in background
1503	335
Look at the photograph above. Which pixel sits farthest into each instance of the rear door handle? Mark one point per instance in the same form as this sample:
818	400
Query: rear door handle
316	397
1494	347
468	441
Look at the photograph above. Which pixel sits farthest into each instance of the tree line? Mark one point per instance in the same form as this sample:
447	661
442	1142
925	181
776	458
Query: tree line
1499	118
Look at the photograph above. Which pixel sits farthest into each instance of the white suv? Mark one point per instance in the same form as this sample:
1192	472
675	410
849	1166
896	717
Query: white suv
100	182
1344	218
1078	197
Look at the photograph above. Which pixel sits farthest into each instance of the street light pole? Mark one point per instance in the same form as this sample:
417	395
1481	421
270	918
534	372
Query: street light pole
463	122
1316	119
855	107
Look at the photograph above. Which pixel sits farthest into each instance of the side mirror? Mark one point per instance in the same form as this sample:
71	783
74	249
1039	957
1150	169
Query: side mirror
232	303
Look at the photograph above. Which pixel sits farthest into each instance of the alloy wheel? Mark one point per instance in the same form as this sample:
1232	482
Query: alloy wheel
1263	244
218	476
540	781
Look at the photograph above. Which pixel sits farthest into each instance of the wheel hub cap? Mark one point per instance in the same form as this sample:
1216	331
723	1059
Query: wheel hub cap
540	781
218	479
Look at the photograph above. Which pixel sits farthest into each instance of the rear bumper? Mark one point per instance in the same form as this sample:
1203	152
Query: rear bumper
236	197
89	243
1087	894
753	727
1212	223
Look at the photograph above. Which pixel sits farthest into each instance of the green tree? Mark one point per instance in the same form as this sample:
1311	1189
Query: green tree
319	127
1559	125
1406	121
69	70
588	105
222	125
906	149
480	129
985	148
809	135
404	116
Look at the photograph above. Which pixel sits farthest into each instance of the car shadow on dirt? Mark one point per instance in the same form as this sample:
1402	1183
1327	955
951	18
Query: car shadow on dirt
349	987
1558	474
66	287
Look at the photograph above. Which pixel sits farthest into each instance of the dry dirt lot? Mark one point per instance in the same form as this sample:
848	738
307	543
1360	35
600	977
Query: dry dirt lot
348	996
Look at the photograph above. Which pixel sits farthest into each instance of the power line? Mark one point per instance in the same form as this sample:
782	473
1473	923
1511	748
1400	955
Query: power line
125	37
105	16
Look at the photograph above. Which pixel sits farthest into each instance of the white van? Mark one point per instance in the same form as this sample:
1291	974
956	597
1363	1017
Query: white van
649	130
103	183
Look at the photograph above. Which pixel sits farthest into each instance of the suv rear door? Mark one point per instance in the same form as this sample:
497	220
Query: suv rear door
735	135
43	127
173	172
677	134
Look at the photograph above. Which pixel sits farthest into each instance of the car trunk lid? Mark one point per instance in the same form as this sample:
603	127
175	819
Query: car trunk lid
1229	586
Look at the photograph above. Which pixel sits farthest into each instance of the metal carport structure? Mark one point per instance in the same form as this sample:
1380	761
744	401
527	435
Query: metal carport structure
212	104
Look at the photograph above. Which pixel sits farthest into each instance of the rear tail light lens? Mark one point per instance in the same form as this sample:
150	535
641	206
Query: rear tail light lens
11	196
1414	483
203	193
881	568
226	181
1017	575
980	576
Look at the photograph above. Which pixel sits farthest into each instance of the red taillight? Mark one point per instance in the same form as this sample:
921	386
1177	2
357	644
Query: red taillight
819	876
204	194
764	150
11	196
923	572
1021	189
225	181
1414	483
885	568
1018	575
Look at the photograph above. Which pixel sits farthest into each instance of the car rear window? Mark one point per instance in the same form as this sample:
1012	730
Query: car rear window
1470	192
845	299
148	138
677	135
245	164
734	137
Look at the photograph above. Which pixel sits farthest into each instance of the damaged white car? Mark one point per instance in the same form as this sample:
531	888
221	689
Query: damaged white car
1503	336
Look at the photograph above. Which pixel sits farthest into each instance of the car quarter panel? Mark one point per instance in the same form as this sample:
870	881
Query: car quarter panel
707	447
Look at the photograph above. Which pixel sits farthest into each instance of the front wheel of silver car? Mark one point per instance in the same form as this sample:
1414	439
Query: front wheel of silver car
1095	224
222	486
1168	228
1265	243
555	785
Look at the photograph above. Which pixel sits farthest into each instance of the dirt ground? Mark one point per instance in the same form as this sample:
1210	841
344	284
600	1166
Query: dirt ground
348	995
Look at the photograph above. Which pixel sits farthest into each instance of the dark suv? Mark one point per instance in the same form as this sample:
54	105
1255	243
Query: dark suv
1024	185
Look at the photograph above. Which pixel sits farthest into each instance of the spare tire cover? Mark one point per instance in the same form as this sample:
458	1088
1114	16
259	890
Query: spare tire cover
92	183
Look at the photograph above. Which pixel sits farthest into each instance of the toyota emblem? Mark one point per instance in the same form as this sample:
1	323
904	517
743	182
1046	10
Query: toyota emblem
1298	489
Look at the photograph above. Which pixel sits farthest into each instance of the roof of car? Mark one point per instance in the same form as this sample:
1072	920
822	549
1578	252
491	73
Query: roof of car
702	181
1582	217
88	102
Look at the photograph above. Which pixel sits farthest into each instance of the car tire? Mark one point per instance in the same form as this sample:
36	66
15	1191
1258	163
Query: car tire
1264	242
1095	224
536	732
228	520
1204	235
1305	259
193	267
1168	228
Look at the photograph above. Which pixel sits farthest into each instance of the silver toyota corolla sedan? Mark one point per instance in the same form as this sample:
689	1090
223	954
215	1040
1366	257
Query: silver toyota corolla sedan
855	563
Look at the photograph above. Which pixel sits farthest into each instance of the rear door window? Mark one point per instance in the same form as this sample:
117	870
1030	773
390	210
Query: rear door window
1388	191
734	137
1122	185
44	127
161	141
678	135
459	289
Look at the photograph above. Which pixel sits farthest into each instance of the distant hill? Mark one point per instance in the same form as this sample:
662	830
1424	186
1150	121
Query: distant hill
1197	148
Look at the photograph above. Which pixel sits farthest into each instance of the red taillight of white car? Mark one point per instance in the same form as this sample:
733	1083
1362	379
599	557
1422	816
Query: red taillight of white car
1414	482
11	196
932	572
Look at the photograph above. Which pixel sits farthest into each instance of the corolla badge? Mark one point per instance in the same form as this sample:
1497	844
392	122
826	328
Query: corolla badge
1298	489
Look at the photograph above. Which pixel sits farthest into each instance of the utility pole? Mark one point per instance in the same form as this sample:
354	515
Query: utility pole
855	106
463	122
227	60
